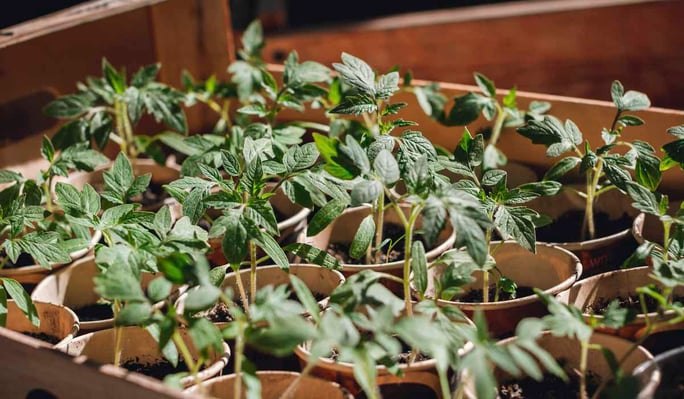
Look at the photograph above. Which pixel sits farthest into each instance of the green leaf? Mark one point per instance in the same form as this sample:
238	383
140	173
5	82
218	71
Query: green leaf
616	317
630	120
312	72
115	80
392	109
558	138
644	200
516	223
562	167
47	150
8	176
119	283
314	255
356	73
300	157
634	101
355	105
493	177
325	216
234	243
305	297
45	248
253	38
273	250
365	371
616	92
387	85
363	237
486	86
145	75
466	109
386	167
22	300
3	305
69	106
365	191
419	266
202	298
159	289
133	314
206	337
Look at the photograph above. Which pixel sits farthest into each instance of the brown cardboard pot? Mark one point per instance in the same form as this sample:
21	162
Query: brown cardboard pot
551	269
602	253
569	349
343	229
318	279
55	320
33	274
74	287
273	384
610	285
289	228
419	376
139	346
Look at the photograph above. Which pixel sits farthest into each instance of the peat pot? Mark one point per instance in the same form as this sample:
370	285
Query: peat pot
274	384
604	253
344	227
57	323
419	379
598	291
140	347
74	287
551	269
568	350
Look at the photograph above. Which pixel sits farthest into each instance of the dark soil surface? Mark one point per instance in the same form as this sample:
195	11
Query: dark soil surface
157	370
317	296
390	230
94	312
219	313
567	228
153	198
550	387
475	296
404	391
630	302
51	339
23	261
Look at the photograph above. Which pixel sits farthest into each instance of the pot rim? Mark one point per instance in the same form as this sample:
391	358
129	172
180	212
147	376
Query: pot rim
75	324
640	318
221	359
556	289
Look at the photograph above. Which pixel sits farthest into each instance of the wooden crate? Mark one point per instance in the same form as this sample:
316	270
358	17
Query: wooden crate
45	57
567	47
48	55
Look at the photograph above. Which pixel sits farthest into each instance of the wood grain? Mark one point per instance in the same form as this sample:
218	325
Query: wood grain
569	47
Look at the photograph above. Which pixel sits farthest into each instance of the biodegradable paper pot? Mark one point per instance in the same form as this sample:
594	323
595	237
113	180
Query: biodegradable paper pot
343	229
551	269
139	346
290	227
160	175
649	228
419	377
600	254
33	274
55	320
569	349
74	287
610	285
273	384
663	376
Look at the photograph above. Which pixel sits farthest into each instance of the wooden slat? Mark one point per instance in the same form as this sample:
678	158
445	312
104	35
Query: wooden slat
204	45
28	366
568	47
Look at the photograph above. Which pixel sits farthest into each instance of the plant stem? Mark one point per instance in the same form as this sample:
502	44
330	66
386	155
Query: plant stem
239	351
498	125
252	270
48	194
289	391
592	184
408	241
118	124
118	334
379	224
187	357
584	344
133	152
241	290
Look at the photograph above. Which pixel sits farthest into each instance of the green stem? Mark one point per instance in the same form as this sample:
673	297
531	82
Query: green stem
187	357
583	368
47	184
133	151
408	241
118	334
239	351
592	184
252	269
119	126
379	224
241	290
498	125
289	391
